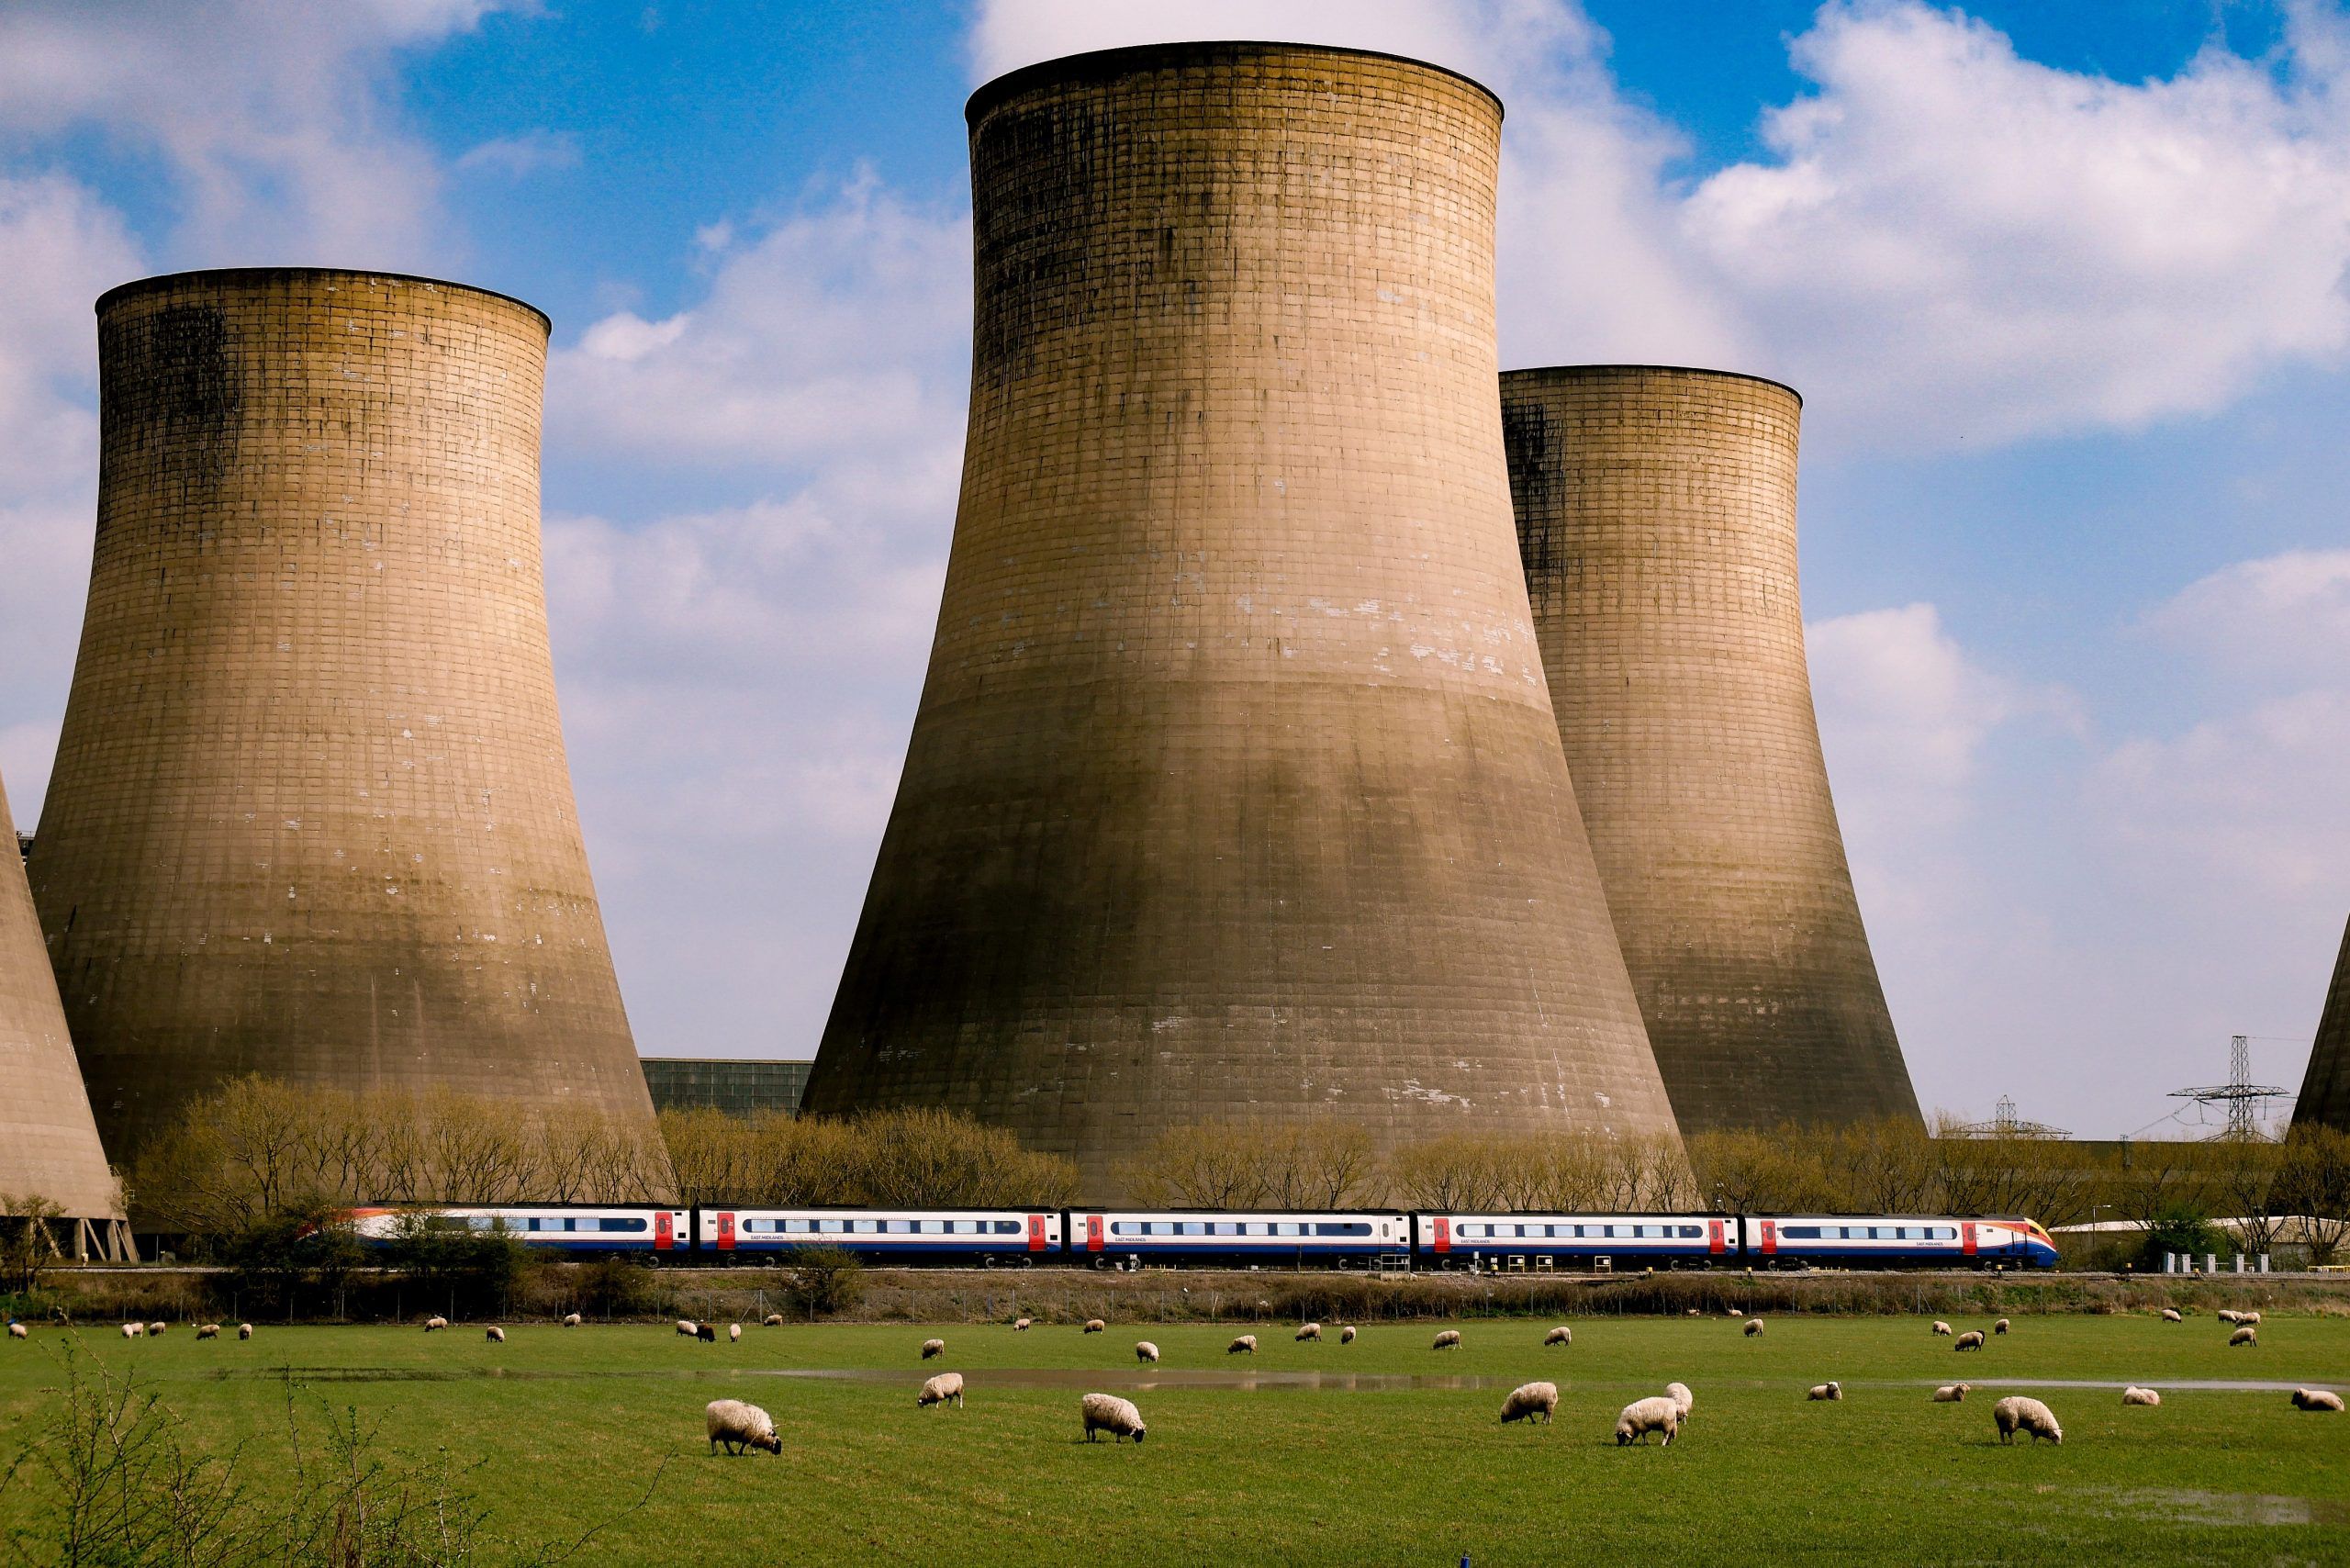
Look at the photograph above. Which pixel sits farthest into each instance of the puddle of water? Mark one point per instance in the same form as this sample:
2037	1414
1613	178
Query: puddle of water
2176	1385
2234	1507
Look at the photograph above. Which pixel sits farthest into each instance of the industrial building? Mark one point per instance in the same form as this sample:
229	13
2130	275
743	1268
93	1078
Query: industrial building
1656	518
736	1086
1234	788
310	815
2325	1087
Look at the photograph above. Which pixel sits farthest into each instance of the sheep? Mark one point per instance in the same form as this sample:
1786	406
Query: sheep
1692	1312
495	1335
734	1333
772	1320
1310	1331
1528	1400
2135	1395
244	1330
1642	1416
940	1389
18	1331
1144	1351
1952	1393
2247	1335
2171	1314
740	1426
156	1329
1680	1396
1562	1335
1448	1340
435	1323
208	1330
1021	1325
2229	1314
2000	1327
1346	1335
1108	1413
1095	1326
1754	1326
933	1349
134	1330
1941	1329
1264	1308
2016	1413
706	1332
1826	1391
1247	1344
686	1326
2317	1399
1970	1340
2249	1317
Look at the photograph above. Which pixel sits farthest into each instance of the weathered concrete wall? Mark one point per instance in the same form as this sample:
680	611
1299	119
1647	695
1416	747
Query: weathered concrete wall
2325	1087
1235	786
49	1143
1656	516
312	815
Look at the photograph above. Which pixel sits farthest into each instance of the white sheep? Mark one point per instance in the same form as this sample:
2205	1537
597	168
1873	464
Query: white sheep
157	1328
2247	1335
2171	1314
18	1331
1826	1391
1754	1326
244	1330
571	1320
1562	1335
434	1323
2317	1399
1642	1416
1245	1345
772	1320
1448	1340
686	1328
1021	1326
1095	1326
1952	1393
734	1333
495	1335
2228	1314
2135	1395
1941	1329
208	1330
1528	1400
933	1349
1346	1335
2251	1318
2016	1413
1681	1396
940	1389
1144	1351
740	1426
134	1330
1310	1331
1108	1413
1970	1340
2000	1327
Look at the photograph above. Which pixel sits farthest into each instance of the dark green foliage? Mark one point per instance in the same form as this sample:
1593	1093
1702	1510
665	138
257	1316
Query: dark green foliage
822	1280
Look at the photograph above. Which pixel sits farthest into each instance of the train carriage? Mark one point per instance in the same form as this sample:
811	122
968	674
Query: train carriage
968	1237
1904	1242
575	1230
1498	1240
1263	1239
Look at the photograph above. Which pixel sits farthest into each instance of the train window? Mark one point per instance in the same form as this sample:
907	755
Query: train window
1342	1230
1944	1232
1259	1227
1288	1228
1227	1227
1195	1227
1007	1227
1690	1231
1786	1232
620	1223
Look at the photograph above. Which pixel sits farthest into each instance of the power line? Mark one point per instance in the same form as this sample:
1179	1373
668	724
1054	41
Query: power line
2240	1095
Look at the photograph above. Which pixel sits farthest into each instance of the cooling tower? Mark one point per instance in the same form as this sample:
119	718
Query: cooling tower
49	1143
1233	789
2325	1087
310	815
1656	515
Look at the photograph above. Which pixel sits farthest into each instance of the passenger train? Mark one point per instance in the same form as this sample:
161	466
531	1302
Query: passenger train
1339	1239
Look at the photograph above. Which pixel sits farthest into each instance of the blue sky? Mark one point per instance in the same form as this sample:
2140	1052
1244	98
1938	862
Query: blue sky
2062	284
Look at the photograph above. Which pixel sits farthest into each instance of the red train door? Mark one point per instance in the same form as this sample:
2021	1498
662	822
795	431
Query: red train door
1442	1231
1966	1238
1714	1237
1035	1233
726	1231
1770	1237
1093	1232
665	1233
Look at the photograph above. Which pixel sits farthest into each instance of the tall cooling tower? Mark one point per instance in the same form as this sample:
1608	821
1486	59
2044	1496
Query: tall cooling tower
1234	788
312	815
1656	515
2325	1087
49	1143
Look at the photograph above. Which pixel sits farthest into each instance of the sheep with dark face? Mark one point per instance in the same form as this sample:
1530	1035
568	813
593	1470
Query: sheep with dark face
244	1330
1108	1413
1826	1391
772	1320
2171	1314
1346	1335
940	1390
706	1332
1020	1325
2017	1414
1941	1329
2317	1399
208	1330
134	1330
1095	1326
686	1327
1146	1351
933	1349
1528	1400
1448	1340
1245	1345
2247	1335
18	1331
2000	1327
1754	1326
740	1428
495	1335
571	1320
1642	1416
734	1333
1970	1340
1562	1335
435	1323
1310	1331
1952	1393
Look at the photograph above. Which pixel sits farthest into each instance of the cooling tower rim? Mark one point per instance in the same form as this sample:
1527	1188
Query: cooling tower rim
259	274
996	89
1535	370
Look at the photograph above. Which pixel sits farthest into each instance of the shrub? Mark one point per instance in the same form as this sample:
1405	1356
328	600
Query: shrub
822	1280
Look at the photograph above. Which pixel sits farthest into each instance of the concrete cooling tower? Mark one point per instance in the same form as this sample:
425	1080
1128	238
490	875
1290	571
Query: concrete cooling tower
310	815
1234	788
1656	515
2325	1087
49	1142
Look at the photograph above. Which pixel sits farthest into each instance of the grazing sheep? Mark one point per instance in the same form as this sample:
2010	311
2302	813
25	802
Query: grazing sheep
2228	1314
1021	1325
1645	1415
772	1320
940	1389
436	1322
1694	1313
1144	1351
2141	1396
495	1335
1827	1391
740	1426
686	1327
933	1349
1095	1326
156	1328
208	1330
1562	1335
2015	1413
1970	1340
1754	1326
1247	1342
1679	1394
1108	1413
1941	1329
571	1320
2247	1335
1528	1400
2171	1314
2000	1327
1263	1309
706	1332
1448	1340
2317	1399
1952	1393
134	1330
734	1333
1310	1331
18	1331
1346	1335
2251	1318
244	1330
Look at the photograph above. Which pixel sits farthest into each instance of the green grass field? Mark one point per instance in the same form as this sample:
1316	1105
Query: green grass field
574	1422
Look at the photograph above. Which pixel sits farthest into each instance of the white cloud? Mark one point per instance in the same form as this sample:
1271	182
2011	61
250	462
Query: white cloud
2288	613
522	155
